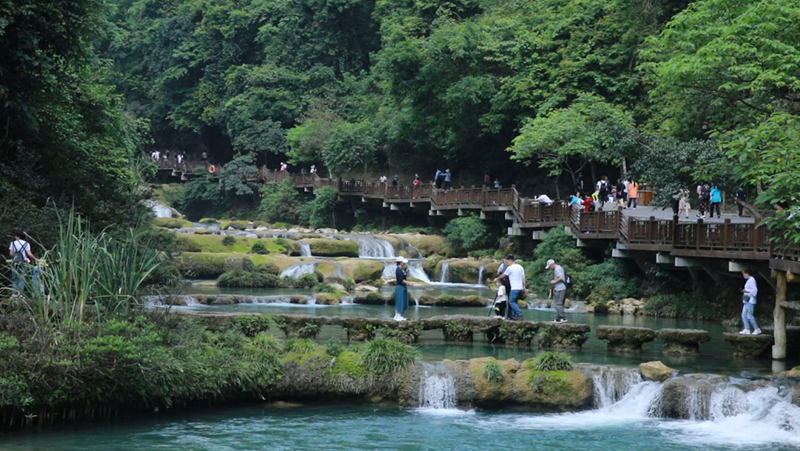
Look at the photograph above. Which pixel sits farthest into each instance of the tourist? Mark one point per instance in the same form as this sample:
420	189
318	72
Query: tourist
438	178
417	181
545	199
559	289
516	278
588	204
497	184
284	167
749	292
633	194
395	180
448	177
579	183
683	203
704	197
382	179
740	197
487	181
602	190
20	252
716	200
575	199
313	169
401	289
501	300
621	194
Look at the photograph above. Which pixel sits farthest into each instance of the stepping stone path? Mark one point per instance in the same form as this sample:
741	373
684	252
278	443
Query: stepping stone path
682	341
625	338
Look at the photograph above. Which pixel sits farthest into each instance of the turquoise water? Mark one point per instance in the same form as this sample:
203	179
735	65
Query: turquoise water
344	427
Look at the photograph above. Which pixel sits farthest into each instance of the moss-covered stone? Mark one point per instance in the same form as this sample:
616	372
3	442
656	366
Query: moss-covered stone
453	301
749	346
324	247
172	223
362	270
553	390
682	341
493	391
431	265
562	336
426	244
625	338
327	298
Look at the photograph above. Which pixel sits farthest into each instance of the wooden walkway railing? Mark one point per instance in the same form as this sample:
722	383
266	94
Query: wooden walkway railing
711	240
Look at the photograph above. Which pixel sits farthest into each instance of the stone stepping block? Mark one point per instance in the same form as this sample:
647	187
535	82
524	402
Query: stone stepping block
625	338
749	346
562	336
682	341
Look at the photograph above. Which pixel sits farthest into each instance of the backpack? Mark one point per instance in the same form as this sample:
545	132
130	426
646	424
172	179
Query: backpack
19	256
568	280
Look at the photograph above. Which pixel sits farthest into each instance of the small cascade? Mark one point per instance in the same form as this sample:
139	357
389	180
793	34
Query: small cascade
159	210
480	274
612	383
305	249
437	388
299	269
445	272
416	271
372	247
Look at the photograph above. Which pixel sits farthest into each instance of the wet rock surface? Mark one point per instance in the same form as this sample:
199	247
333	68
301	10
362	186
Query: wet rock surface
625	338
682	341
749	346
655	371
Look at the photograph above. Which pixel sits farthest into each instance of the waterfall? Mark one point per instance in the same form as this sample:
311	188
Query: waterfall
416	271
372	247
612	383
159	210
445	270
480	274
305	249
437	389
299	269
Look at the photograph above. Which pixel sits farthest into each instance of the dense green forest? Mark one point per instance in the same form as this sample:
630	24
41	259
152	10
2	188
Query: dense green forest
674	91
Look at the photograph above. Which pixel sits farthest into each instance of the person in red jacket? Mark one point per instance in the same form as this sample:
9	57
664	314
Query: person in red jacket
587	204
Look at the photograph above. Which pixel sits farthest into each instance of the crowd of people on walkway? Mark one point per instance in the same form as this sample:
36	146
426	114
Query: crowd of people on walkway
168	159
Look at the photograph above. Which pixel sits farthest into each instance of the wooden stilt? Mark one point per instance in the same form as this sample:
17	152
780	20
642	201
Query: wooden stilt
779	316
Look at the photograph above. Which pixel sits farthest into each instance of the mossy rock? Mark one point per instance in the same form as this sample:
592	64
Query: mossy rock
553	390
172	223
234	224
461	270
324	247
453	301
375	298
431	265
194	242
349	363
362	270
327	298
201	265
426	244
488	391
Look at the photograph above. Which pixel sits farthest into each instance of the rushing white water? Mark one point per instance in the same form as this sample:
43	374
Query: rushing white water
445	272
612	383
299	269
415	270
159	210
437	389
480	274
305	249
372	247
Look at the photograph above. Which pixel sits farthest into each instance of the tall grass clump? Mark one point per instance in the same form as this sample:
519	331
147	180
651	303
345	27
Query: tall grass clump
87	271
383	356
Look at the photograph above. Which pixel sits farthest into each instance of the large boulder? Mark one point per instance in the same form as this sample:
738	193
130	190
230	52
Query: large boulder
453	301
562	336
460	270
361	270
655	371
327	299
427	245
625	338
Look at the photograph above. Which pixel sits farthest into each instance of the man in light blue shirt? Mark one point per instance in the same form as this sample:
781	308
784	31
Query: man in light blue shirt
559	289
749	293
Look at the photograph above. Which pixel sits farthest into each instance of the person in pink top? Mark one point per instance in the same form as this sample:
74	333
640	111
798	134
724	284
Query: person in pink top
633	193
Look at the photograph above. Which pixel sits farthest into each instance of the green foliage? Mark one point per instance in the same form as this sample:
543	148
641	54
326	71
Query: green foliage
259	248
251	326
549	382
550	361
493	372
383	356
466	233
350	146
348	284
171	223
600	295
319	212
239	278
306	281
681	306
228	240
280	202
334	347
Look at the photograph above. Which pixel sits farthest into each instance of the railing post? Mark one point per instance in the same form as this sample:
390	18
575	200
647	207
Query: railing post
725	232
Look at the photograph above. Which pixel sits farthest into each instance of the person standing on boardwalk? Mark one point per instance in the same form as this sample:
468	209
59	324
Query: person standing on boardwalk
603	188
716	200
559	289
740	198
749	292
395	180
487	180
516	278
633	194
683	203
401	289
437	179
448	177
621	194
579	183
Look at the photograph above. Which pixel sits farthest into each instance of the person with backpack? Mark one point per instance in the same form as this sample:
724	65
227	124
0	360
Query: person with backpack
603	188
515	274
559	285
716	200
20	252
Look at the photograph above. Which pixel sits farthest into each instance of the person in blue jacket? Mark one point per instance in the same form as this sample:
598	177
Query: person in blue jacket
716	200
401	289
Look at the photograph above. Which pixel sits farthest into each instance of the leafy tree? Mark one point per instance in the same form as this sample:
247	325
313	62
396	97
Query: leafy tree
320	211
466	234
280	202
350	146
589	130
308	140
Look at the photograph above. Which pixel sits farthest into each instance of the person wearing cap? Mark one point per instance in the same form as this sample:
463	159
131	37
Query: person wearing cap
400	289
559	289
516	278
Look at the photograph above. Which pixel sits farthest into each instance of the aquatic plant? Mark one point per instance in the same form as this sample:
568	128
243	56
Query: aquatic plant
383	356
493	372
551	361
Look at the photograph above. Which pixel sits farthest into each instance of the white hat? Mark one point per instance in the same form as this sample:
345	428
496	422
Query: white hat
400	260
549	262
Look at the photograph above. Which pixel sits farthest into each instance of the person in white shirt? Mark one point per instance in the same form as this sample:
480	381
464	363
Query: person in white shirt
749	292
516	278
559	289
20	252
545	199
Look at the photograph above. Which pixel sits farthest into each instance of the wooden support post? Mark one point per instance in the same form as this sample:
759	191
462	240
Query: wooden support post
779	316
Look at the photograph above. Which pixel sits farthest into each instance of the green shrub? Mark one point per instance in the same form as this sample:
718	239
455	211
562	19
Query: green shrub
600	295
334	347
348	284
259	248
319	212
383	356
551	361
681	306
280	202
229	240
239	278
300	345
172	223
306	281
466	233
251	325
325	288
493	372
268	268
